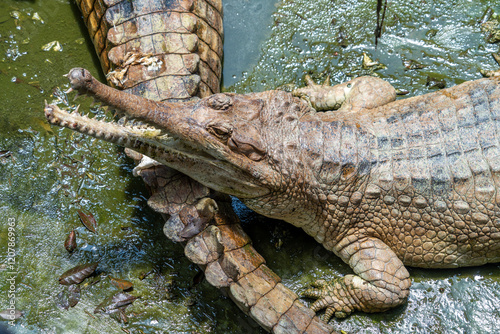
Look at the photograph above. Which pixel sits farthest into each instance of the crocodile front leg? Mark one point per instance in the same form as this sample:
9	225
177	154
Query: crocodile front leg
351	96
381	281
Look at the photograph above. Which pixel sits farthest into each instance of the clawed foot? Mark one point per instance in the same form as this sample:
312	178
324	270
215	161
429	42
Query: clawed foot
331	296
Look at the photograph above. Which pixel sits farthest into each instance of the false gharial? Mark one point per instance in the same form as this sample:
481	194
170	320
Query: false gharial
172	51
380	183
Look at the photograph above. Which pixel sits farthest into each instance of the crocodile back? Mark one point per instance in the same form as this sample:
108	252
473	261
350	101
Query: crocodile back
443	144
183	36
421	174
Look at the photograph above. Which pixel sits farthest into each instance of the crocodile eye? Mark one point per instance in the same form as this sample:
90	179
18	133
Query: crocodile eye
220	131
349	85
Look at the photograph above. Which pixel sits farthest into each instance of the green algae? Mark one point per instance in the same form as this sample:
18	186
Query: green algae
329	37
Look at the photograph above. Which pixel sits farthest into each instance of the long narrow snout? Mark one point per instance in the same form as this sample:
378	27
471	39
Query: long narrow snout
173	133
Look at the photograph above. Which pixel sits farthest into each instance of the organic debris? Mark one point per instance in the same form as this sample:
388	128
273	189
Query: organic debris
77	274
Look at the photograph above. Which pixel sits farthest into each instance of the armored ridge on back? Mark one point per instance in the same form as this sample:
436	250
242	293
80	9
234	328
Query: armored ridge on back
411	182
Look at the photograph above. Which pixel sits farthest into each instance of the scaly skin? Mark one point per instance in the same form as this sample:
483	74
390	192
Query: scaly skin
351	96
171	51
162	50
412	182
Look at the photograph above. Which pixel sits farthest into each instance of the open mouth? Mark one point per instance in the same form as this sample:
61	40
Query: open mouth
139	136
165	148
172	133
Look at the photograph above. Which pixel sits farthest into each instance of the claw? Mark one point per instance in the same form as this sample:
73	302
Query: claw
328	314
68	91
327	81
330	296
76	110
76	96
309	81
320	283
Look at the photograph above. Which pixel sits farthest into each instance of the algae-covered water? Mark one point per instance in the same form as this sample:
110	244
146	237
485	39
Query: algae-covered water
47	174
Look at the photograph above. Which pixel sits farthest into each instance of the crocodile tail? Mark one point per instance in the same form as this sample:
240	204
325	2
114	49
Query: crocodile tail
162	50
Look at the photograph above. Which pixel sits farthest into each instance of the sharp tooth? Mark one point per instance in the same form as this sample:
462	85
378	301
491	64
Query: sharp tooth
123	120
76	96
70	89
76	110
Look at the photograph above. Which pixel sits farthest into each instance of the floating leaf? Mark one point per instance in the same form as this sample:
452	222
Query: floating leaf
144	275
121	283
88	220
434	82
68	297
48	46
70	243
119	316
77	274
11	314
36	84
123	316
62	300
114	302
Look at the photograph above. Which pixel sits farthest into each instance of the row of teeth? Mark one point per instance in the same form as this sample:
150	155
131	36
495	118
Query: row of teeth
130	124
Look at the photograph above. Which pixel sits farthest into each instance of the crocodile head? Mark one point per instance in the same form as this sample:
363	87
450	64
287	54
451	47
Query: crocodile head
217	140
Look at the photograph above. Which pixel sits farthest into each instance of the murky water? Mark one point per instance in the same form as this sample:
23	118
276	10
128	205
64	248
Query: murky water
47	174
